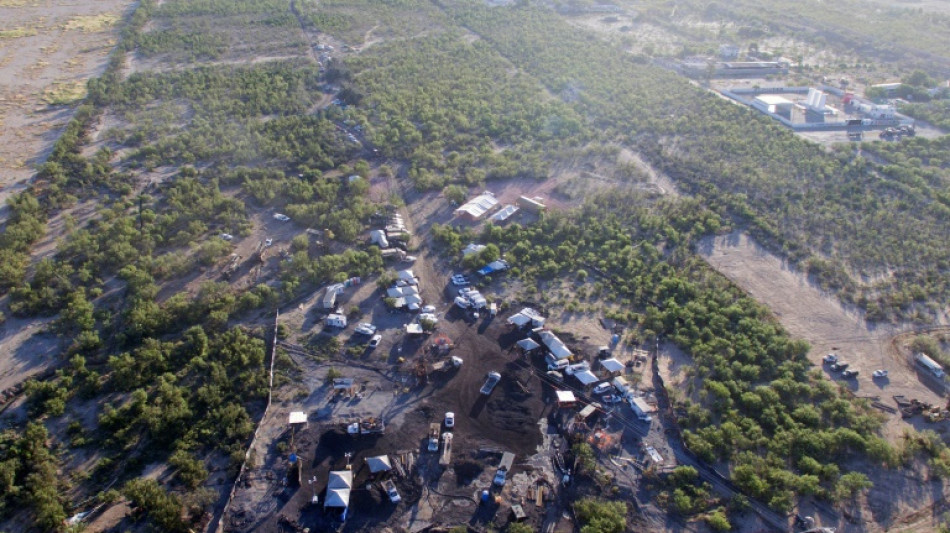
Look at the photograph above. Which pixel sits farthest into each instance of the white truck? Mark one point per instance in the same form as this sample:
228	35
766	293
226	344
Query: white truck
491	380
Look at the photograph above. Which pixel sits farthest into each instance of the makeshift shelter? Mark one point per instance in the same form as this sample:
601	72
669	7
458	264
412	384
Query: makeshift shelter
338	489
612	365
528	345
586	377
407	276
379	464
554	345
565	398
526	316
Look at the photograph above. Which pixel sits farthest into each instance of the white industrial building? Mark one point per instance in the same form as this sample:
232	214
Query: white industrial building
477	207
772	103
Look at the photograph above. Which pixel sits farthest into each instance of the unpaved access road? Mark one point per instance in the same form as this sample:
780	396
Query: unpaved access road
819	318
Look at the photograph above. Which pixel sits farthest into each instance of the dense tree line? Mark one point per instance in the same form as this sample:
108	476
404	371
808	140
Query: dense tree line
782	427
456	113
833	213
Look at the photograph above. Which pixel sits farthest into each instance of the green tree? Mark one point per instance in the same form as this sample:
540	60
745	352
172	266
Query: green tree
599	516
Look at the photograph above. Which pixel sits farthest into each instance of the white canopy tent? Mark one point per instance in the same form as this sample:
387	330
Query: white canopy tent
586	377
378	464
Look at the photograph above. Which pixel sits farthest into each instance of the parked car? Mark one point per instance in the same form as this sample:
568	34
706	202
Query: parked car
428	309
838	367
460	281
450	419
848	374
831	358
603	388
374	342
560	364
881	373
268	242
466	291
556	376
365	328
281	217
226	236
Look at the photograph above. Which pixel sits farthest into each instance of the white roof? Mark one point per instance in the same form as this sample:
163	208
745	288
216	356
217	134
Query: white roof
555	345
526	315
394	292
414	328
472	249
565	396
340	479
413	299
586	377
337	498
612	365
528	344
379	463
407	275
335	316
478	206
505	213
298	417
773	99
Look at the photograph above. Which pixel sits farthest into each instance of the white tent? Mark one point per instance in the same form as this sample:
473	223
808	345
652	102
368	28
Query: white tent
611	365
298	417
555	345
338	489
528	344
394	292
586	377
378	464
407	276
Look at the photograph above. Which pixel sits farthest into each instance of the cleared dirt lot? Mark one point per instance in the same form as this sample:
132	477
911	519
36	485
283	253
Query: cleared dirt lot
808	313
48	49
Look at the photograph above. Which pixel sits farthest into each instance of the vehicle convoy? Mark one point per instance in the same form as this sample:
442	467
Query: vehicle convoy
491	380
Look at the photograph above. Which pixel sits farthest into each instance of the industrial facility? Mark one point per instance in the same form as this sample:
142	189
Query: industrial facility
820	108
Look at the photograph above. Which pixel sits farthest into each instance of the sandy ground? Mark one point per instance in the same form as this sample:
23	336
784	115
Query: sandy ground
27	349
819	318
808	313
58	44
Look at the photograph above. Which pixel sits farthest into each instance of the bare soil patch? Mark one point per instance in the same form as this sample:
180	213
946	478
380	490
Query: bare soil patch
819	318
68	43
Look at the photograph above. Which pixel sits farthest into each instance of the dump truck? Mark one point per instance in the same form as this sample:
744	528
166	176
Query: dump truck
491	380
434	429
446	458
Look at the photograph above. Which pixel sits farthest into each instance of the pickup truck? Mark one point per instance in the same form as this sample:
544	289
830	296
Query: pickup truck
491	380
501	475
391	491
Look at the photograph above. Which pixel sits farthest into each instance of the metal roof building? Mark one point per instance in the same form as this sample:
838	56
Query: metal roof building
477	207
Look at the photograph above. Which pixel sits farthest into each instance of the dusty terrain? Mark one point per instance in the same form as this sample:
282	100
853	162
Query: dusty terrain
808	313
48	50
